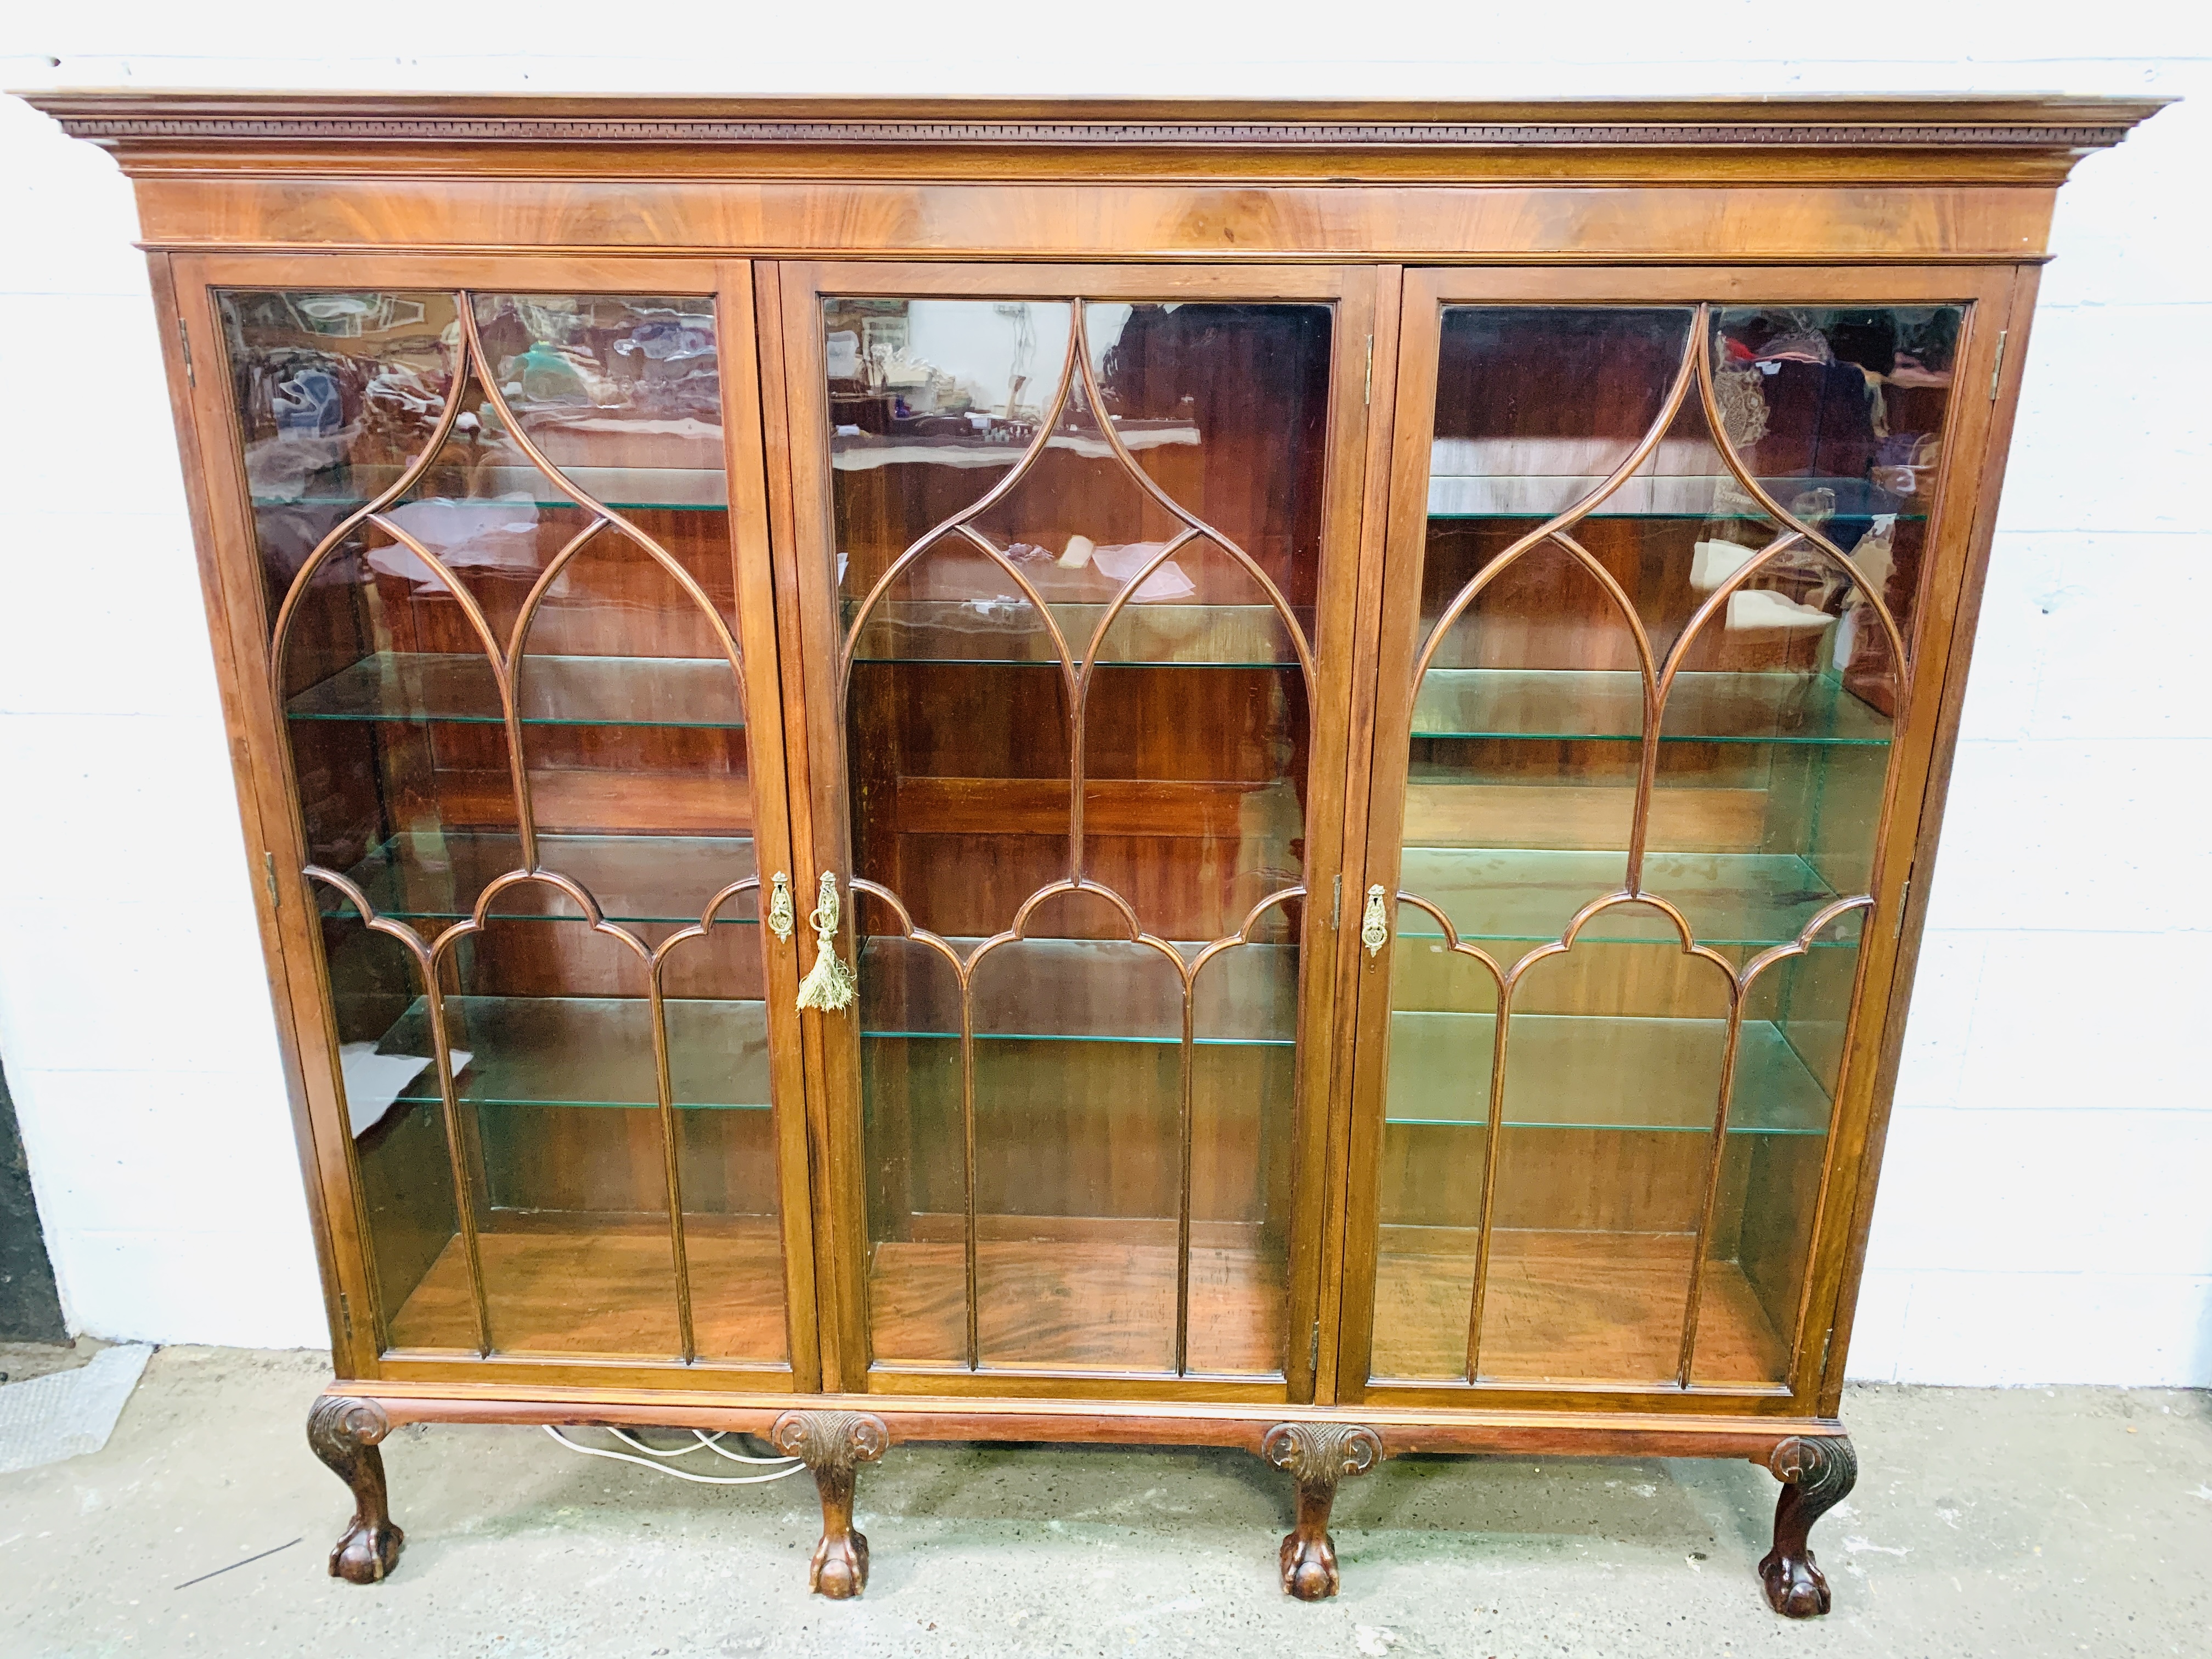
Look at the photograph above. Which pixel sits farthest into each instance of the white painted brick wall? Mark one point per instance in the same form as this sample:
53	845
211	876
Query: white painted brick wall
2046	1214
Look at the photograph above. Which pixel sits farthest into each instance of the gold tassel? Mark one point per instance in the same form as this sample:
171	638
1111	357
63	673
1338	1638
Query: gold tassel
829	984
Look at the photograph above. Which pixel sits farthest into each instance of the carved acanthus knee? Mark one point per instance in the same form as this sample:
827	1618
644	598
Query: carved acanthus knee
343	1432
1317	1455
1817	1473
831	1443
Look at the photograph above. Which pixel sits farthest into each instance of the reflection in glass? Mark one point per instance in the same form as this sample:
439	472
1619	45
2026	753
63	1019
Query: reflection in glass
1078	556
1684	691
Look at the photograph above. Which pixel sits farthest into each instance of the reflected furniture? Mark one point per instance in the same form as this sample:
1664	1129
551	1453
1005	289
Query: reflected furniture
1240	775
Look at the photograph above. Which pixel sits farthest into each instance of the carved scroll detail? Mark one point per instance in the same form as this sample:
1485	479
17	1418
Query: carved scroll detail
1817	1473
831	1444
343	1432
1317	1455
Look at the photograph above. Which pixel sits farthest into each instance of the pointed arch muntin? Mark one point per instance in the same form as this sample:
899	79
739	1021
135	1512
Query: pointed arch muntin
1186	972
1169	504
1349	292
1510	982
1745	977
1219	947
507	659
961	521
1677	393
664	1083
280	628
1708	401
1078	674
1693	377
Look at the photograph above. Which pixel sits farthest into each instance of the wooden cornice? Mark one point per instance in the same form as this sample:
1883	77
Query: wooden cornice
1910	139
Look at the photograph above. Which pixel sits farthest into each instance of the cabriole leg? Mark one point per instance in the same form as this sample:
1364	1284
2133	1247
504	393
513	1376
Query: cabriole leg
1817	1474
343	1433
1317	1455
830	1444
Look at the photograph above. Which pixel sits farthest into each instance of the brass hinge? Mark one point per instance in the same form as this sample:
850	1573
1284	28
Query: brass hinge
184	339
1336	903
1368	396
345	1314
268	877
1313	1350
1897	922
1996	369
1825	1342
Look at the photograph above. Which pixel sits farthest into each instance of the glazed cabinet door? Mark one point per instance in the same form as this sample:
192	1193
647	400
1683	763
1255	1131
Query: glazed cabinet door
491	537
1075	558
1672	562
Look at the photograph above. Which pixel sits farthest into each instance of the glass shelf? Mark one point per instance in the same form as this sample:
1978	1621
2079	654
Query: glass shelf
1687	516
997	446
1080	1037
1583	1071
591	1051
626	489
417	686
1609	706
1460	487
434	876
1527	894
1082	991
1003	632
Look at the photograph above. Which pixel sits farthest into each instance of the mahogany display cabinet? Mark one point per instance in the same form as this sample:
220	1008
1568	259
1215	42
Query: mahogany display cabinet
1252	776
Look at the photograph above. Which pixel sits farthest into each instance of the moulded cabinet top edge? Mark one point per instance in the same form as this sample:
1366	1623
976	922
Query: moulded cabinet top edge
1910	139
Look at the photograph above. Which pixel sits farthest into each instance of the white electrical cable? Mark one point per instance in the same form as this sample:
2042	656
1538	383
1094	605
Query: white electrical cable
669	1468
711	1441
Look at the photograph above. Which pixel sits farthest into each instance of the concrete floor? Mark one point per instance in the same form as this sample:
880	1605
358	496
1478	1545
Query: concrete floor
2003	1523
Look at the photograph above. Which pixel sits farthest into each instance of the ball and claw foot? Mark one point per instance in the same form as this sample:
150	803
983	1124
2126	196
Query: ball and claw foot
830	1444
1817	1474
839	1567
1309	1566
343	1432
1317	1455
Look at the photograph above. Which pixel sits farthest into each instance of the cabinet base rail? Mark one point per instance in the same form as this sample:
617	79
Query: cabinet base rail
1318	1446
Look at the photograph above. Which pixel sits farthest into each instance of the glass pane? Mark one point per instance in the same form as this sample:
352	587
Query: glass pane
334	392
1613	1073
1078	549
500	574
714	989
913	1128
560	1098
1759	1248
1436	1136
401	1149
1680	691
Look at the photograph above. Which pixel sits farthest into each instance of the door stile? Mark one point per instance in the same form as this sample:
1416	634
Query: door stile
801	505
745	424
806	620
1310	1369
1381	383
1405	467
1923	719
